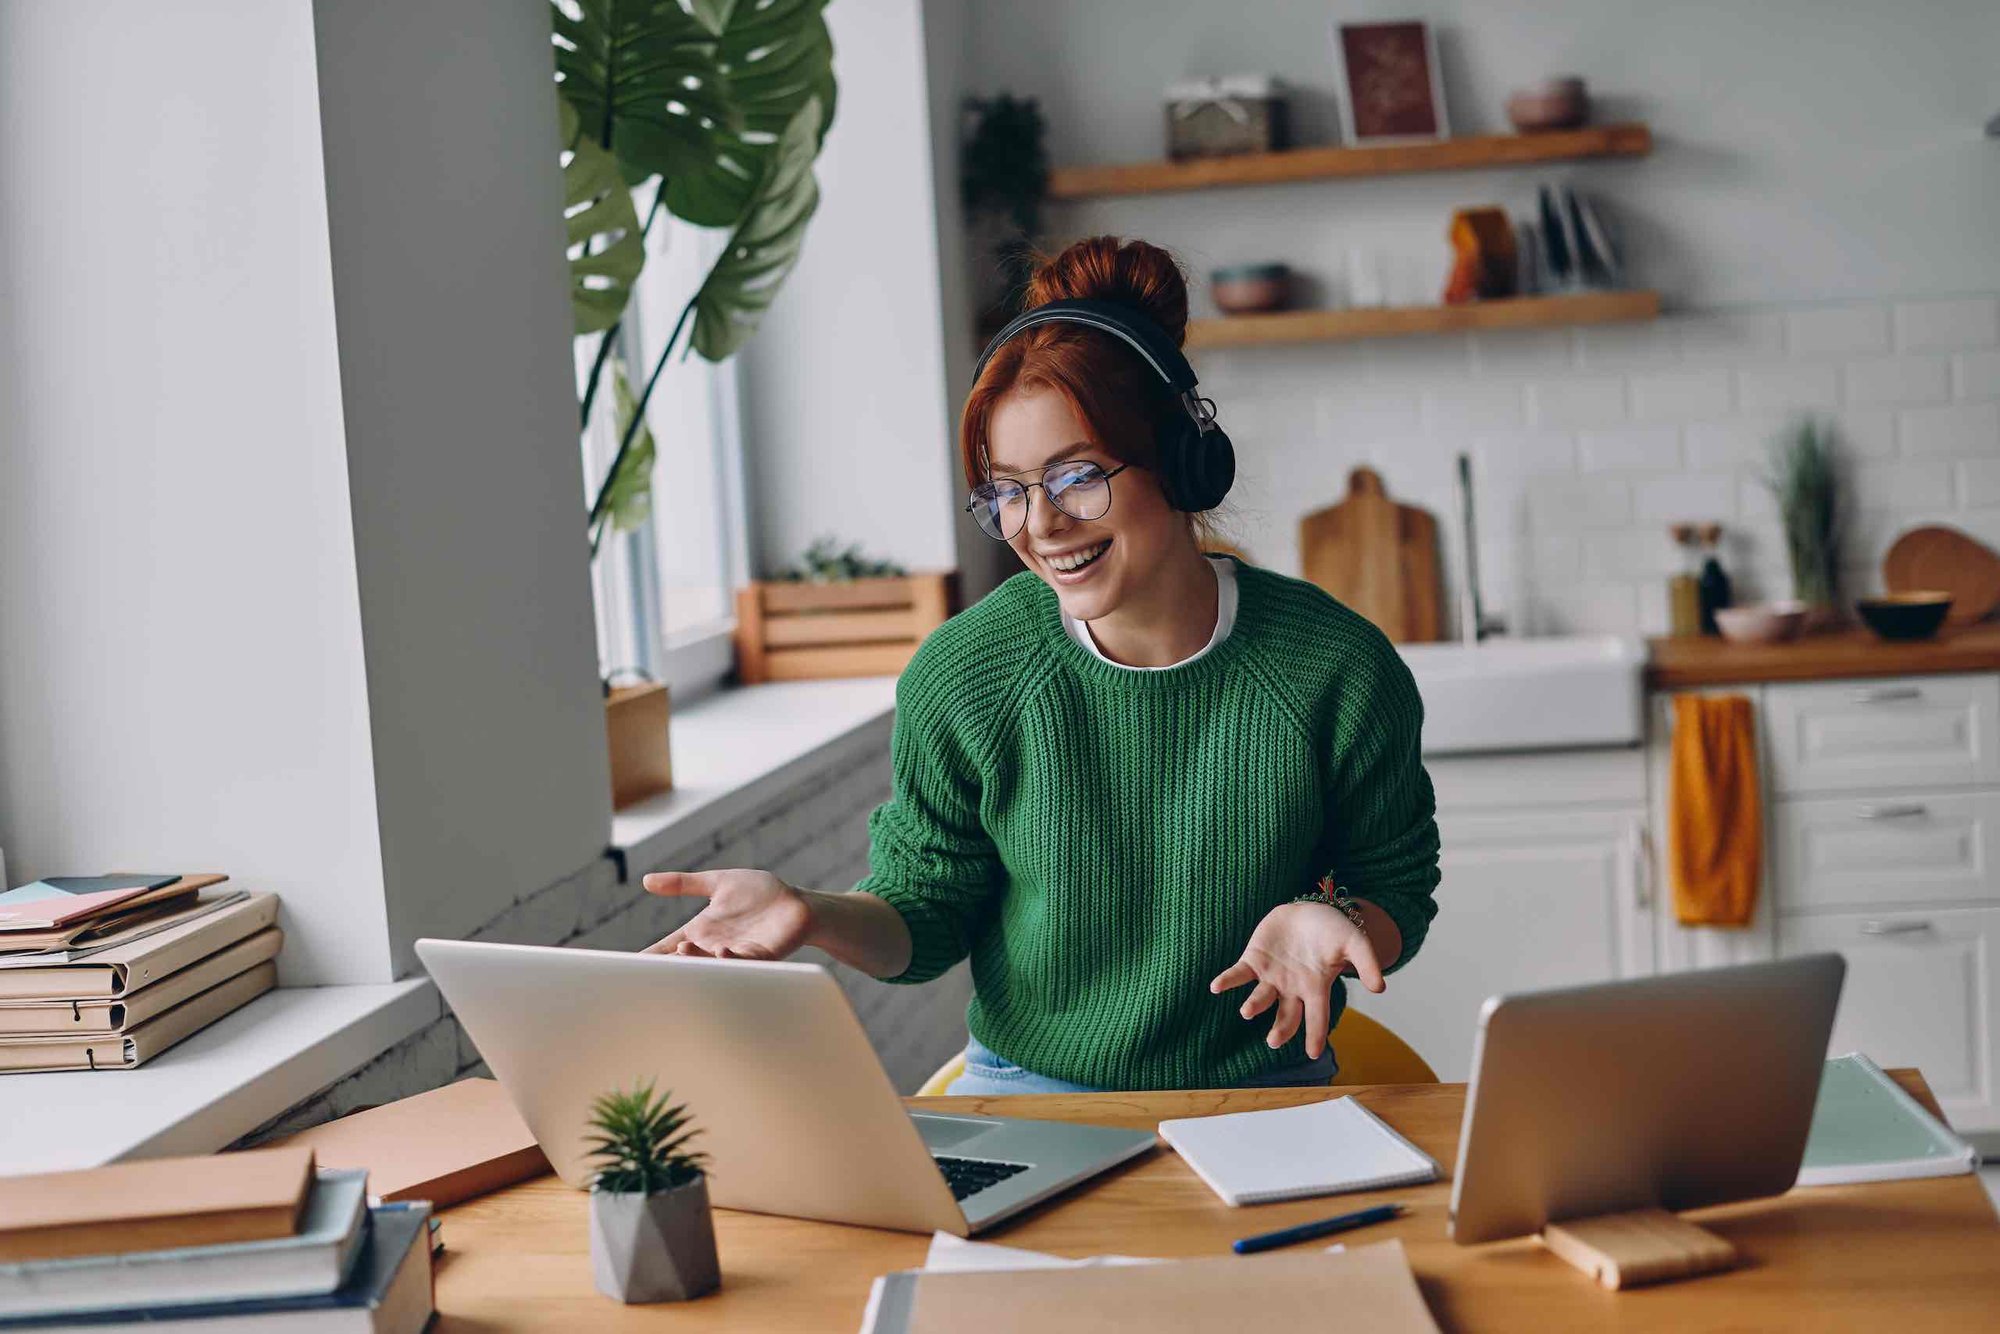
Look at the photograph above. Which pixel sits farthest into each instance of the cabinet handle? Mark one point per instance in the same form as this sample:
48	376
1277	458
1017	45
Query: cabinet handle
1906	811
1885	694
1875	928
1642	868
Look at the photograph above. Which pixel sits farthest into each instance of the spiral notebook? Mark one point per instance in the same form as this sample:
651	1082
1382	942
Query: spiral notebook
1288	1153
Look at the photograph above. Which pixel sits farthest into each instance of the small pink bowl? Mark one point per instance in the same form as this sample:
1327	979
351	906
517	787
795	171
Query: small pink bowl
1767	623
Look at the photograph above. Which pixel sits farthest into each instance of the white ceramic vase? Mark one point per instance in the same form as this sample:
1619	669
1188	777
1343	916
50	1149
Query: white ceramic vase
654	1248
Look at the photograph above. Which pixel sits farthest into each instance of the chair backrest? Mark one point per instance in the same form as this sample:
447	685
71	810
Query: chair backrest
1369	1054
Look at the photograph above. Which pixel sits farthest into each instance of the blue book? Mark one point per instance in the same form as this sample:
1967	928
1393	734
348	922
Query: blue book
388	1292
312	1262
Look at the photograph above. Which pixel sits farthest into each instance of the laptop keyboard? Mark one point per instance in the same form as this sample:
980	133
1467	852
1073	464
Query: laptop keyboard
969	1176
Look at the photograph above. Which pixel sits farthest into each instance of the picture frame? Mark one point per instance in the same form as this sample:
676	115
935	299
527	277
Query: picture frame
1389	83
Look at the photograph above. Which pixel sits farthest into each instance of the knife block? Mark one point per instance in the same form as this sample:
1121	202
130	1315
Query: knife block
1643	1246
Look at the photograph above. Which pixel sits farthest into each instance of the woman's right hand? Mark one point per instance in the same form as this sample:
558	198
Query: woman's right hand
750	915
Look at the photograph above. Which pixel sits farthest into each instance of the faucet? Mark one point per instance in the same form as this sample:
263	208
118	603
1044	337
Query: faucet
1473	624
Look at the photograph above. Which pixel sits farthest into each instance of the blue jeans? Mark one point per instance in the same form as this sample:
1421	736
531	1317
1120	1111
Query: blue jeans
987	1074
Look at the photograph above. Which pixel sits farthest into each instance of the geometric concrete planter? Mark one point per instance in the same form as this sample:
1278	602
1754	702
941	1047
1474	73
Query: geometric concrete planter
654	1248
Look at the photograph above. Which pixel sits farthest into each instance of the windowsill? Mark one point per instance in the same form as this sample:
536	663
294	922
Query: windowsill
732	750
212	1089
736	748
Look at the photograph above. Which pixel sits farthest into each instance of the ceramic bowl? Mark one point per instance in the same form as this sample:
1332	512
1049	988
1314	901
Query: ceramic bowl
1558	104
1247	288
1764	623
1915	615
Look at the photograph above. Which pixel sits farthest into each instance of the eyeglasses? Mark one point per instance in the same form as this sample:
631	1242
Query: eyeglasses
1080	490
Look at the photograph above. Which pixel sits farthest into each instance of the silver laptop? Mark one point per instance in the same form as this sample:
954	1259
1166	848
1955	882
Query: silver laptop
797	1115
1677	1092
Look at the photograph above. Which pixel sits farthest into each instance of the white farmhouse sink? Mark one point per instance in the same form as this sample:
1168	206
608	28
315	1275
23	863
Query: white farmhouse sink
1529	694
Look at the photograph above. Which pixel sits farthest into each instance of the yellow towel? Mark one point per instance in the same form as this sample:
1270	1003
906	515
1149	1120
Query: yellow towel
1715	818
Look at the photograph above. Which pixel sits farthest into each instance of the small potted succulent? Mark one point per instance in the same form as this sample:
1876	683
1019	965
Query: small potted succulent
652	1238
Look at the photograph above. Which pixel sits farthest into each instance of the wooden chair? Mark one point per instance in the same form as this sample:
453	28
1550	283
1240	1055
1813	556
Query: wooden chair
1369	1054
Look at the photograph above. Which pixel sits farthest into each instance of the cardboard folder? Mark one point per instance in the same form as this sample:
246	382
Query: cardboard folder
69	1018
122	1051
1365	1287
447	1145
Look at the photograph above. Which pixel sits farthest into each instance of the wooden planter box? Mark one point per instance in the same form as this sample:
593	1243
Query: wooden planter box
635	725
867	627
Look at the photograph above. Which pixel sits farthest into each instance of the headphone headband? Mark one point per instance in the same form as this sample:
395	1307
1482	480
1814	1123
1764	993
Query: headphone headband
1125	323
1197	463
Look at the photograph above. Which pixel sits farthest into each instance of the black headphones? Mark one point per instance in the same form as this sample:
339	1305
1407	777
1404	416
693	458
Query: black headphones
1197	462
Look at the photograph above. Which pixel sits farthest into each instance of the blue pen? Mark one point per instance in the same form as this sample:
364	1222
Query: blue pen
1326	1227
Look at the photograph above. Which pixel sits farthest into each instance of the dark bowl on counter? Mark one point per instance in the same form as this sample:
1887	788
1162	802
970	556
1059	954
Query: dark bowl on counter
1914	615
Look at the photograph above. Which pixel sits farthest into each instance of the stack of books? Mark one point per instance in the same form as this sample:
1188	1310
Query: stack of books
243	1242
105	972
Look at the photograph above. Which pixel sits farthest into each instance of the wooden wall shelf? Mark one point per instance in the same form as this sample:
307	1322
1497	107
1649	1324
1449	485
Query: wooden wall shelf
1527	312
1313	164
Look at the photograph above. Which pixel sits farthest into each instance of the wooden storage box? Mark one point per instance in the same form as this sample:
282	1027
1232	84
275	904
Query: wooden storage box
866	627
635	725
1224	117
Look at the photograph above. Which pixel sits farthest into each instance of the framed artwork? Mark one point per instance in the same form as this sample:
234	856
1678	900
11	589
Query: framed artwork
1389	84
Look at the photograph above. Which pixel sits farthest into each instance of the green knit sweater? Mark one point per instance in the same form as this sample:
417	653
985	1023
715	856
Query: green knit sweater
1102	842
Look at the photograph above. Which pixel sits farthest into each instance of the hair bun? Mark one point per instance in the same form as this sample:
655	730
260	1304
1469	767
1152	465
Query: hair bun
1103	268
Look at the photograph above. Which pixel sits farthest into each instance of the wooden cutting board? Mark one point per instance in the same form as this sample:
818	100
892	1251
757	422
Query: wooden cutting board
1935	557
1378	557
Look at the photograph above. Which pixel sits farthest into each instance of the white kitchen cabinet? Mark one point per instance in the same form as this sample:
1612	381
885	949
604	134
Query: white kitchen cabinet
1529	899
1911	731
1920	992
1885	849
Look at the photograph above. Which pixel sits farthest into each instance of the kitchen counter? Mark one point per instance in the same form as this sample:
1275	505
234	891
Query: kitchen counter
1681	663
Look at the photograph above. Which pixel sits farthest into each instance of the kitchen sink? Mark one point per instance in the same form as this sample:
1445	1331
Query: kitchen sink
1530	694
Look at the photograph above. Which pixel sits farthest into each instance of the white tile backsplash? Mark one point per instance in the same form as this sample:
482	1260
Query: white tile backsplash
1732	337
1905	484
1787	388
1893	380
1979	482
1577	402
1976	375
1967	430
1944	325
1632	449
1681	396
1588	443
1824	331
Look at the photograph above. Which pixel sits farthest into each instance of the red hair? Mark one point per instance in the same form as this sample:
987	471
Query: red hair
1122	402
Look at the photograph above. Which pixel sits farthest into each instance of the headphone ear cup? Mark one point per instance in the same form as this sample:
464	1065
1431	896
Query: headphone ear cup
1197	467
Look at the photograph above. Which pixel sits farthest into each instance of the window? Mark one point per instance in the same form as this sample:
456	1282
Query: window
665	591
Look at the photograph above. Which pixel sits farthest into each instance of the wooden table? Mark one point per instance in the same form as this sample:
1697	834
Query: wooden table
1891	1258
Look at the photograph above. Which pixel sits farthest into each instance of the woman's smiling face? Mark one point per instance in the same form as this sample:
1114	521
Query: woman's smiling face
1033	427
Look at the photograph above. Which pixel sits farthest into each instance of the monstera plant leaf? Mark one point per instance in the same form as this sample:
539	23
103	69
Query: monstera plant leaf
605	248
765	245
773	55
628	491
645	77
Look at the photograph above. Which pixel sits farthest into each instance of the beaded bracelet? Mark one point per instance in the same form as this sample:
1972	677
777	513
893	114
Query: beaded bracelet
1333	896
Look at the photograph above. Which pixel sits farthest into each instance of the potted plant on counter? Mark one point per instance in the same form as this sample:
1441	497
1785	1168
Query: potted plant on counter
711	113
652	1238
1804	481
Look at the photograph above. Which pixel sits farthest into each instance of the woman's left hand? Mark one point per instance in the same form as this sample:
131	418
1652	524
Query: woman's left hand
1293	956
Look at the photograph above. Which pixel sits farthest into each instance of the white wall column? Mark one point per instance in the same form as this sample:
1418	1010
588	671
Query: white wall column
292	565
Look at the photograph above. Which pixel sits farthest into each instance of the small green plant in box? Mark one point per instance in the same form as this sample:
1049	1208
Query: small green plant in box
652	1237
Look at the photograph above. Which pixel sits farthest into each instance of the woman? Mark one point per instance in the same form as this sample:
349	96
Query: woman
1134	777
